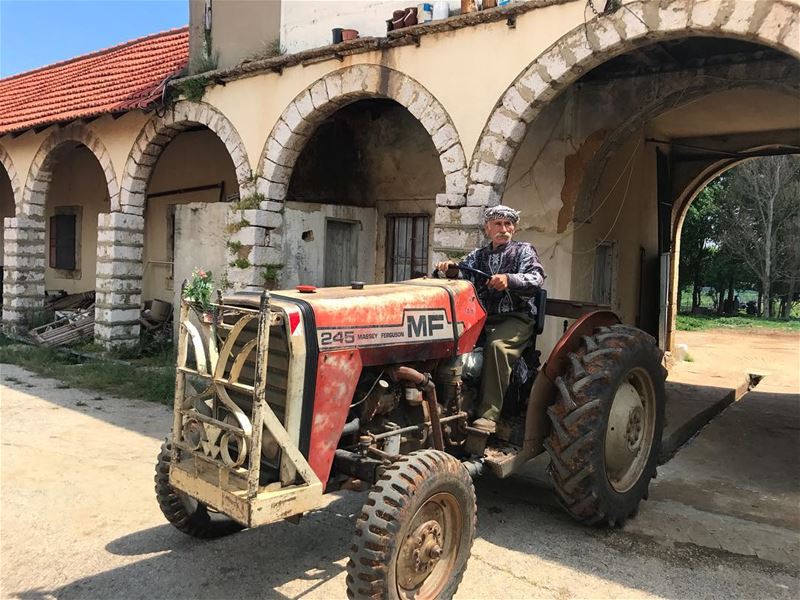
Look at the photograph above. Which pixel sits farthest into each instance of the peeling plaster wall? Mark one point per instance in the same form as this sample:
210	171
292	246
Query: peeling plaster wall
554	163
78	180
628	218
199	241
367	152
304	256
544	182
192	159
535	185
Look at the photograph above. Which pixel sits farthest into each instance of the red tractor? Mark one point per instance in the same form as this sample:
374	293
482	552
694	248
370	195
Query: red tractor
282	397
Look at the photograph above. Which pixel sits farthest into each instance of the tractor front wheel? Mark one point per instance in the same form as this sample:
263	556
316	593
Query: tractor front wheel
185	513
607	424
414	535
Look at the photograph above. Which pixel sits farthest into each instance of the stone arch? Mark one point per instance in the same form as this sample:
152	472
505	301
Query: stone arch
160	131
774	23
24	265
40	173
314	104
8	165
121	232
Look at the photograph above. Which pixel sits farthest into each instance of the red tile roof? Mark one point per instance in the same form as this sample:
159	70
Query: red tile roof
117	79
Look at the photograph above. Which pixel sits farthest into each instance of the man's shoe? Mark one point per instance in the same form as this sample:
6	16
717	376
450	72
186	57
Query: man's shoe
486	425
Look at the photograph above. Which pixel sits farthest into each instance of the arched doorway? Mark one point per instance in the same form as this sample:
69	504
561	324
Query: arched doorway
54	238
361	200
182	165
9	190
576	134
409	130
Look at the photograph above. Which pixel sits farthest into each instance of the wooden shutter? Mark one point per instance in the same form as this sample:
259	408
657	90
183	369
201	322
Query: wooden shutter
63	242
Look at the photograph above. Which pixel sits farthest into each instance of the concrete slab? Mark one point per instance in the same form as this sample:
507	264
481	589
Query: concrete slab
690	406
736	486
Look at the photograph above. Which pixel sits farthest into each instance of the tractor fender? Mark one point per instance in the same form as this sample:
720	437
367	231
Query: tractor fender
543	393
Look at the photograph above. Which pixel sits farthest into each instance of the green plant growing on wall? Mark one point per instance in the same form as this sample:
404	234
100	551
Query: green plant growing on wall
252	201
193	89
271	273
270	49
225	283
232	228
205	63
234	246
240	263
208	59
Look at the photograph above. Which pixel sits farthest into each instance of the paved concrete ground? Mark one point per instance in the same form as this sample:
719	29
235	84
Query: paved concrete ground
79	520
736	486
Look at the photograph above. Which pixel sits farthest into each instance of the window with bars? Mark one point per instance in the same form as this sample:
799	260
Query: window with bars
407	247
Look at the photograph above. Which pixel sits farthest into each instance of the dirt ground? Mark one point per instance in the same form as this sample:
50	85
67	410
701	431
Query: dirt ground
724	354
79	517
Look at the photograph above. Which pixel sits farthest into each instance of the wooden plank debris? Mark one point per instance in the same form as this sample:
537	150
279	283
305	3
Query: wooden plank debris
66	329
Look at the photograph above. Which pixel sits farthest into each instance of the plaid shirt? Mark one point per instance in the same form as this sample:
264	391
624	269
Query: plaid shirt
525	275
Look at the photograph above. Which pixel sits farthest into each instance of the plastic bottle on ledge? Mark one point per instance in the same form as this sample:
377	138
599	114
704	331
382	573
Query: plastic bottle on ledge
441	10
424	12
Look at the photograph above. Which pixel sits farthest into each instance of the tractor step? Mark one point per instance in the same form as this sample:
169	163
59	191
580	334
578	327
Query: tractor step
506	460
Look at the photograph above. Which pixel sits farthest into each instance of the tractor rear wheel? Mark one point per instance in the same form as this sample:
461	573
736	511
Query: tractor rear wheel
414	534
607	424
185	513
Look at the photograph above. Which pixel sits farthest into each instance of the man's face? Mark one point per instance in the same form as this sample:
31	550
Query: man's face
499	231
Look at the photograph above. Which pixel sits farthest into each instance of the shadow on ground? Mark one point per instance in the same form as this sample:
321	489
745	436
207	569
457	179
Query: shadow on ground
521	535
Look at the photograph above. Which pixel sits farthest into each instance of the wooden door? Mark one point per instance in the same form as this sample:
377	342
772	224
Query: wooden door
341	252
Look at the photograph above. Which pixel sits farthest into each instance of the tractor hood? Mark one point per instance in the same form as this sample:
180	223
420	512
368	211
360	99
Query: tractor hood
419	319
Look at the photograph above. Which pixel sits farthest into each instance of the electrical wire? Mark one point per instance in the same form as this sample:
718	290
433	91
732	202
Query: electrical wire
628	167
372	387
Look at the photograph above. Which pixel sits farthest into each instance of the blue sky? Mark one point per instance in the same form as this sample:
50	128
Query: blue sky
34	33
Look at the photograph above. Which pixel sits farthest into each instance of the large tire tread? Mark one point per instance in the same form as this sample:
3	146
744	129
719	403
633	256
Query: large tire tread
199	523
578	419
389	506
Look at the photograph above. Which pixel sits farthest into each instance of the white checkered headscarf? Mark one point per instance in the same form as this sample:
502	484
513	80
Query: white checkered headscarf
500	212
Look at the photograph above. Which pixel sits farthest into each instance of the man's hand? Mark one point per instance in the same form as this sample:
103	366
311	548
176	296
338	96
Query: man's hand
448	267
498	282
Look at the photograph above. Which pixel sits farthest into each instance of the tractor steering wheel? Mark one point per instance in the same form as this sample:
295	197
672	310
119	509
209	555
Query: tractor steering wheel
475	271
469	270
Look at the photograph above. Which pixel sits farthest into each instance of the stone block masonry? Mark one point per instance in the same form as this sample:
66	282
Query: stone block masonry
23	271
120	245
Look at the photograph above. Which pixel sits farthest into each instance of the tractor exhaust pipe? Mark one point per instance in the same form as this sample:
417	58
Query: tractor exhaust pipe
423	382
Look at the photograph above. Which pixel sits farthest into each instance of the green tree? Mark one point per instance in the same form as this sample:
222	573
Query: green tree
698	239
755	212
